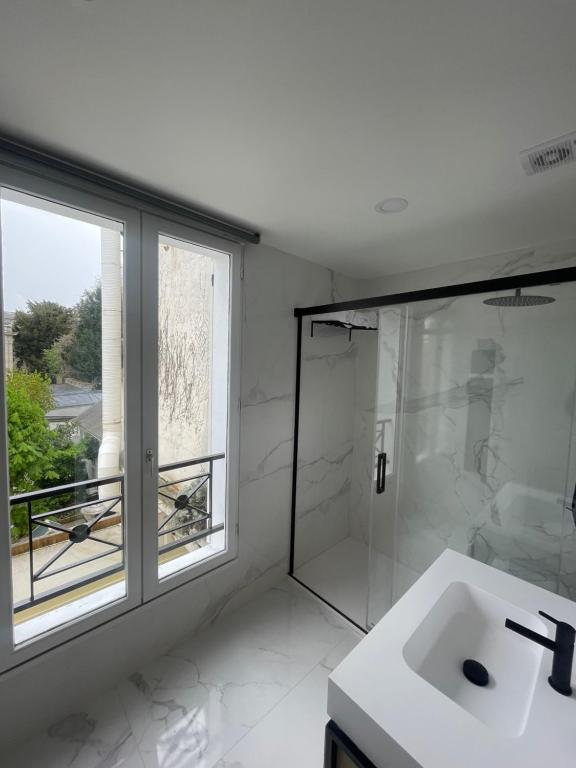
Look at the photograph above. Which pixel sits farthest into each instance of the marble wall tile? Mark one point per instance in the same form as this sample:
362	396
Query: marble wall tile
364	433
567	585
486	430
336	441
326	440
274	284
521	261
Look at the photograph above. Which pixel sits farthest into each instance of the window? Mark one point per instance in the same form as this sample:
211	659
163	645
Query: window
120	363
189	307
64	400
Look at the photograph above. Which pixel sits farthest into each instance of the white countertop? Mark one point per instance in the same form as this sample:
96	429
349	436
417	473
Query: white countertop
378	700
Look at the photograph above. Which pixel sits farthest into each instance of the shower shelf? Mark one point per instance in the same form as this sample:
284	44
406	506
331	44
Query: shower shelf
340	324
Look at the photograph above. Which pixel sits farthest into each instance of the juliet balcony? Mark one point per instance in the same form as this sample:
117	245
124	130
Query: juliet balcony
75	543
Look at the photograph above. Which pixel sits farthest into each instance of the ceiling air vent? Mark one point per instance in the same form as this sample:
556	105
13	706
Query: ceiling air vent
549	155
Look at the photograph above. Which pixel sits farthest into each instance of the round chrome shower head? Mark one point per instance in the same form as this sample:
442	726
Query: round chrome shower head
519	299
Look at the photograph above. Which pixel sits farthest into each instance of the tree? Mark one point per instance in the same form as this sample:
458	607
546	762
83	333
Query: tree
83	352
28	398
53	360
38	457
36	329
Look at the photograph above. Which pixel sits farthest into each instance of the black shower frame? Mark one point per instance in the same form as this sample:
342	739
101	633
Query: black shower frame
530	280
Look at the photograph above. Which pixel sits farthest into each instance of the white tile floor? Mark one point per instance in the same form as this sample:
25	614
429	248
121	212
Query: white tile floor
340	576
363	589
249	692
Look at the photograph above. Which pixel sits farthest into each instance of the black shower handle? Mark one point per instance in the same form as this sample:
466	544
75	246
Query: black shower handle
574	505
381	473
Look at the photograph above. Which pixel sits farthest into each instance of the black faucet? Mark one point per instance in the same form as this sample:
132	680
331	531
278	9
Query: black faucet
562	645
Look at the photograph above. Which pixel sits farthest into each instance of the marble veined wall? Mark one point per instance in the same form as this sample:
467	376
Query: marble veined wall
473	406
364	433
274	284
486	427
567	586
519	262
335	446
326	440
488	399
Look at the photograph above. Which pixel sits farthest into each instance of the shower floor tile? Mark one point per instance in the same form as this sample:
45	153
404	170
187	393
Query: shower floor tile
342	574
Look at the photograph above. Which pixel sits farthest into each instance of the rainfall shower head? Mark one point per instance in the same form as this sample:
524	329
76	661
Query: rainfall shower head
519	299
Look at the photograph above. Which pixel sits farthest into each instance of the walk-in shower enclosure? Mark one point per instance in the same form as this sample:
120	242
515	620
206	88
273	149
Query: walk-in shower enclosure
435	419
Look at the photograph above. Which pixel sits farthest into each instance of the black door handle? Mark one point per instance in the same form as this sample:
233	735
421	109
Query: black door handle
381	473
574	505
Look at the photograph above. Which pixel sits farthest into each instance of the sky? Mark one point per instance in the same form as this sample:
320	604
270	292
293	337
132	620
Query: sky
46	256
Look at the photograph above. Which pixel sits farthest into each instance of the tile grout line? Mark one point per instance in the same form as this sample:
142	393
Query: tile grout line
288	692
129	721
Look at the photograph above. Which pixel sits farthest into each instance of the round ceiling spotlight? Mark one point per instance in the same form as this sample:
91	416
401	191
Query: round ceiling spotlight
391	205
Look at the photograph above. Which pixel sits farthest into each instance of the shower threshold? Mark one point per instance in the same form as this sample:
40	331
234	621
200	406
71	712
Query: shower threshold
342	578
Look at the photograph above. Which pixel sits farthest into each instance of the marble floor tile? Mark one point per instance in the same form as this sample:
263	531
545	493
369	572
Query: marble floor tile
292	734
95	736
340	576
220	689
363	584
191	706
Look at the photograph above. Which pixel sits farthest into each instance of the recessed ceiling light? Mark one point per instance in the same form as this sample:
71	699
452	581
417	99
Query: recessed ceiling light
391	205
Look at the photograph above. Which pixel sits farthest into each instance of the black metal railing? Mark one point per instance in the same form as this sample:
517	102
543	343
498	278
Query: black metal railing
188	511
191	512
80	530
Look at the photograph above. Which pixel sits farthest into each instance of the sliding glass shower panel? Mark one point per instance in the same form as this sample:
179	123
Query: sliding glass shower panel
483	428
567	579
335	447
383	571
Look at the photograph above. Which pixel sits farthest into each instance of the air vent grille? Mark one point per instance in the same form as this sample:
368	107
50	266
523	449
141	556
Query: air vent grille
549	155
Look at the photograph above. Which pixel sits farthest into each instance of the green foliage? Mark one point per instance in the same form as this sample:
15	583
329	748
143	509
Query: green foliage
39	457
36	329
89	447
50	339
83	352
28	398
53	361
66	466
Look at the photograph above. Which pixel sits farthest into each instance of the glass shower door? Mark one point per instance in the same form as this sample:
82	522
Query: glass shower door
382	566
335	442
478	446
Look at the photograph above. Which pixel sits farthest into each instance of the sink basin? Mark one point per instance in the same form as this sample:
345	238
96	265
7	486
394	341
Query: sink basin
401	697
467	622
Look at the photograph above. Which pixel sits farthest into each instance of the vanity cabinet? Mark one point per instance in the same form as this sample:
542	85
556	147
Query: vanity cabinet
341	752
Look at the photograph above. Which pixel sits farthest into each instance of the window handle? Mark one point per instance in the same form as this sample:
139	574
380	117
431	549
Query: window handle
150	460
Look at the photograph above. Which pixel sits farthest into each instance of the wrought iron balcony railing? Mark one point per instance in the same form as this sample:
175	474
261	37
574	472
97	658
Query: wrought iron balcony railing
190	519
185	518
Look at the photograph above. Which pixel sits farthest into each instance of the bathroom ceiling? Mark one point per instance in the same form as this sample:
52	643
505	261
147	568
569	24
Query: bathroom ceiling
298	116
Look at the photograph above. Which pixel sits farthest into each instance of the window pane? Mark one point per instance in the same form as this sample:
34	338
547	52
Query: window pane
193	312
63	336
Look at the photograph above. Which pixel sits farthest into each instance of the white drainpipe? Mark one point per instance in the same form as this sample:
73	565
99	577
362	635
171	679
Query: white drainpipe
109	455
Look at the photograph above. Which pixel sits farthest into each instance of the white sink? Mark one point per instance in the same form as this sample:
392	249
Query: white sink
402	698
468	623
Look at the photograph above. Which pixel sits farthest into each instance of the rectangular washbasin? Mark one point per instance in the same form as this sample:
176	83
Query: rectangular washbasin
468	623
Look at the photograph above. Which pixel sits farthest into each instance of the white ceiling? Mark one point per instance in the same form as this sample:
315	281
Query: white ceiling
297	116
